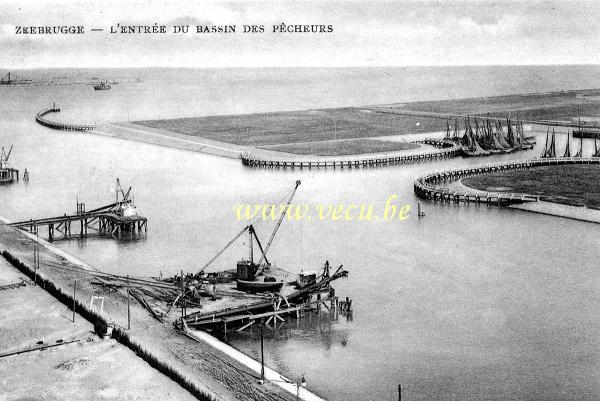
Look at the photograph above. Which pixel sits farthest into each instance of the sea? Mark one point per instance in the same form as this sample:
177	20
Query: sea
465	303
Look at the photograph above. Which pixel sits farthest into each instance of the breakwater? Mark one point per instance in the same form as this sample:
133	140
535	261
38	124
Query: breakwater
445	149
40	119
426	186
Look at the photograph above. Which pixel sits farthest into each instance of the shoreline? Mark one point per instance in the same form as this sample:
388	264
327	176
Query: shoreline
270	374
556	209
579	213
198	367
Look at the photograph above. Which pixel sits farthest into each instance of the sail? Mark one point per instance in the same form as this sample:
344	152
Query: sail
568	147
501	138
455	136
546	148
580	151
510	138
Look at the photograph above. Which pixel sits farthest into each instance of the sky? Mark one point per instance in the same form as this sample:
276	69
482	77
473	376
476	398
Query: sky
365	33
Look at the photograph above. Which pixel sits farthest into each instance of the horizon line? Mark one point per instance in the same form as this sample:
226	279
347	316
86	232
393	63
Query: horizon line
300	66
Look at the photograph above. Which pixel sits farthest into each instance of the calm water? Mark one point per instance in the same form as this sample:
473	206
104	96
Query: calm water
468	303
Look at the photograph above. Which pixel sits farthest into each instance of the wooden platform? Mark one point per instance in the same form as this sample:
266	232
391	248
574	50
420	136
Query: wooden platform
102	219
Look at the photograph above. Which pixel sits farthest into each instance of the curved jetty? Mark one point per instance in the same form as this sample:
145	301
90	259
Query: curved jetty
446	149
39	118
425	187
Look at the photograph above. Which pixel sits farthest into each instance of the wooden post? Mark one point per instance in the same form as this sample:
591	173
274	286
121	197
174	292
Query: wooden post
182	289
399	392
262	351
74	294
128	310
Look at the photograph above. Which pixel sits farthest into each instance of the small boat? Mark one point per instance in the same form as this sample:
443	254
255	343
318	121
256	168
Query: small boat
259	286
102	86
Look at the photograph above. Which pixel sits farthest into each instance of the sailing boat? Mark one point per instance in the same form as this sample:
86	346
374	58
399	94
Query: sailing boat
568	148
102	86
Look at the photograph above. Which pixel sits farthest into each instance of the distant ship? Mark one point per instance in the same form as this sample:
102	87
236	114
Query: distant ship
102	86
12	79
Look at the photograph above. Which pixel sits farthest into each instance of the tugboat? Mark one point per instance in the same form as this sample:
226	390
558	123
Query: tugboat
102	86
7	173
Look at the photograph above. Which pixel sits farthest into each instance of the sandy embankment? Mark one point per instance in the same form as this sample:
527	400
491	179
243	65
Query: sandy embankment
160	137
210	370
168	139
580	213
89	368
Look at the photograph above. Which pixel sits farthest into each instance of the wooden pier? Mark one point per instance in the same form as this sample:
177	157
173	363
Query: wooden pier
446	149
39	118
105	220
425	187
8	175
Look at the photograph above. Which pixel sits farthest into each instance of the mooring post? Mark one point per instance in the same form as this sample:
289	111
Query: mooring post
74	295
399	392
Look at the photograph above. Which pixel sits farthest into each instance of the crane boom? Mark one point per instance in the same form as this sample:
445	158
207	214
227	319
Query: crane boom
8	154
283	213
251	226
224	249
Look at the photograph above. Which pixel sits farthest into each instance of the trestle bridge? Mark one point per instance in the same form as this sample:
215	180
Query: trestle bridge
113	219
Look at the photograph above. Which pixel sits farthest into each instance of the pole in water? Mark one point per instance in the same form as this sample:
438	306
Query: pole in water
419	212
399	392
128	310
262	352
74	294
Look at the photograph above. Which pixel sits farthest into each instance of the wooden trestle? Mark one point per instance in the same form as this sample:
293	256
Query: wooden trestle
103	220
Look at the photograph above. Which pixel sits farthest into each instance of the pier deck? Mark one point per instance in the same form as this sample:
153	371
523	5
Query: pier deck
103	219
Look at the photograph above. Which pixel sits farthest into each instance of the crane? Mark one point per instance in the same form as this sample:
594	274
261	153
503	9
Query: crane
283	213
5	156
125	195
252	232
